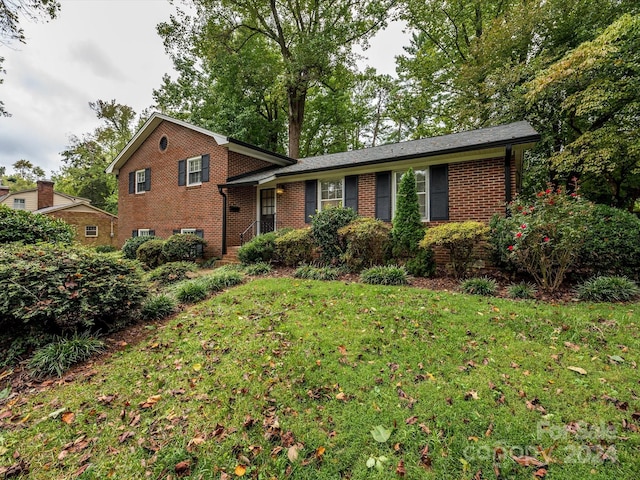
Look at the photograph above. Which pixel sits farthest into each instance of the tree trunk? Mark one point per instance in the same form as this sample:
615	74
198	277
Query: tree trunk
296	96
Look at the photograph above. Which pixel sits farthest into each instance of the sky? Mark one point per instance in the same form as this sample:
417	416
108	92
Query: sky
97	49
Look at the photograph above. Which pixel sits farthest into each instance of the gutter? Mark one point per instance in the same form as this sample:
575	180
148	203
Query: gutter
224	219
507	177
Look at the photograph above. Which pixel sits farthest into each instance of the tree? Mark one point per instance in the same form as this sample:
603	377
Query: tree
311	38
87	157
407	228
595	92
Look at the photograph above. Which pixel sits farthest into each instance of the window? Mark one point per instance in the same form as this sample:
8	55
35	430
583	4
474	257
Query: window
422	179
140	181
188	230
91	231
144	232
331	193
19	204
194	166
164	142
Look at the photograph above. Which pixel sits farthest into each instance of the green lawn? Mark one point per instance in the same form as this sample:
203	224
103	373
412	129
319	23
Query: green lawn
282	378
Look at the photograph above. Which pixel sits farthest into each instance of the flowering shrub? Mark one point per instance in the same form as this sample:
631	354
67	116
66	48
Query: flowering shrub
548	234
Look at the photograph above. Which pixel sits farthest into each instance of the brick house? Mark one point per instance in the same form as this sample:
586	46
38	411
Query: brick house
176	177
93	226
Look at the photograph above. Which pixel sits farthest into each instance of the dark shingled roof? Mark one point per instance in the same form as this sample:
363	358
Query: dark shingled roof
513	133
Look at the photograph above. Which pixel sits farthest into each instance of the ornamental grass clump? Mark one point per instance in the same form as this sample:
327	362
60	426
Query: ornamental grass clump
460	239
608	289
523	291
309	272
56	357
172	272
158	307
385	275
548	234
260	268
479	286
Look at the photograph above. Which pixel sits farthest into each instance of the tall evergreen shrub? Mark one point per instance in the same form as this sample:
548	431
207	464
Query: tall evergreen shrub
407	228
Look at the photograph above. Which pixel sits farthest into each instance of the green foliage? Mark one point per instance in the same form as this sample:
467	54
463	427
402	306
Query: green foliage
259	249
295	247
325	226
548	235
221	279
150	253
384	275
423	264
19	342
309	272
500	238
27	227
260	268
367	243
608	289
183	247
460	239
612	245
57	288
105	248
521	290
407	229
479	286
131	245
172	272
191	291
158	307
56	357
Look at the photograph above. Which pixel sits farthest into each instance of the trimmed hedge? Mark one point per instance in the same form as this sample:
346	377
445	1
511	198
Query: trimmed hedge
295	247
30	228
150	253
183	247
367	243
132	244
259	249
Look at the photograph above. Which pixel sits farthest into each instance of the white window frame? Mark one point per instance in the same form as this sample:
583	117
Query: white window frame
324	203
144	232
86	231
19	201
397	175
191	170
188	230
141	184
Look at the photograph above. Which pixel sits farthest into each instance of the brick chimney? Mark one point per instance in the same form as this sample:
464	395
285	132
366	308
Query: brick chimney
4	189
45	193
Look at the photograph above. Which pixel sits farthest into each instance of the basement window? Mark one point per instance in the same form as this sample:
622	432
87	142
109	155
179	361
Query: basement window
91	231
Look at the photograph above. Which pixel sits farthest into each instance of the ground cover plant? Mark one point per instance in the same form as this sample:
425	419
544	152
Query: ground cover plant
323	380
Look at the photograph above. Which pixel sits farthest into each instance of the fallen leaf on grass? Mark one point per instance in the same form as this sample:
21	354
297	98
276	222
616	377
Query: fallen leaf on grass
68	417
400	470
183	468
151	401
579	370
540	473
527	461
123	438
292	453
240	470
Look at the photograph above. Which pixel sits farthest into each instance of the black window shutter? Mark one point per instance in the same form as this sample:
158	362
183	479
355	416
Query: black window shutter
152	233
351	192
134	233
132	182
175	232
199	248
182	172
439	192
310	199
147	179
200	233
383	196
205	167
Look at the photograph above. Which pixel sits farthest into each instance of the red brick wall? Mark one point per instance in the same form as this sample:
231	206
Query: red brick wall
240	164
79	220
367	195
290	206
168	207
243	198
45	194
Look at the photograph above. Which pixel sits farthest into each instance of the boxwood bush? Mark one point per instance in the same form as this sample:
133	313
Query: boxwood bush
325	226
27	227
367	243
150	253
183	247
295	247
258	249
132	244
55	289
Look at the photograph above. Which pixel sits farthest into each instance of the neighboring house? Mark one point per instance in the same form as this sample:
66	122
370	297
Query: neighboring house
93	225
176	177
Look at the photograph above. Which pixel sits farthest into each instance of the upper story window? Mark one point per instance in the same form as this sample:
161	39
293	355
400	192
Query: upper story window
19	204
331	193
141	181
422	180
91	231
194	167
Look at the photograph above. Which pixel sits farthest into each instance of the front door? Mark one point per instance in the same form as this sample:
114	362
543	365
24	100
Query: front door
267	210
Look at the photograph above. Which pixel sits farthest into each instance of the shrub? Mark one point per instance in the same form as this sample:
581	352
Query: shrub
105	248
54	288
261	268
612	245
548	235
500	238
479	286
407	229
191	291
150	253
460	239
521	290
30	228
309	272
608	289
130	247
325	226
258	249
56	357
158	307
172	272
295	247
423	264
367	243
183	247
384	275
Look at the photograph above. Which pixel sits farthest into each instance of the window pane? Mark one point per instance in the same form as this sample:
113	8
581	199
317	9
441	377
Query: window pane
195	170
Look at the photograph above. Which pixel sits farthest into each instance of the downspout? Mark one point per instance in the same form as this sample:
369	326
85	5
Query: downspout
224	219
507	178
